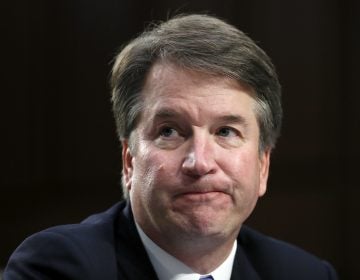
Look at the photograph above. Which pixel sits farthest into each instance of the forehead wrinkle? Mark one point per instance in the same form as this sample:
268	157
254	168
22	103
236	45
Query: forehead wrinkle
234	119
176	112
171	113
166	113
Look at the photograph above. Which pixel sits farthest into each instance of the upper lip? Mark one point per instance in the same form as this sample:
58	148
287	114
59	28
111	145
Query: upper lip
200	190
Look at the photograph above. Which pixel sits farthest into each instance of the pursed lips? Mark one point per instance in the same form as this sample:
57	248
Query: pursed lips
201	195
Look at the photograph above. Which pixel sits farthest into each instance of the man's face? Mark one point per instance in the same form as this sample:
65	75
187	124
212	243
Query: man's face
194	170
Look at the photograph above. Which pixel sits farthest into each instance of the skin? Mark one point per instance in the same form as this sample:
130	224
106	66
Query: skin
193	169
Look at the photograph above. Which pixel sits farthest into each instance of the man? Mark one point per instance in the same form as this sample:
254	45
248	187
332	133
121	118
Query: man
198	111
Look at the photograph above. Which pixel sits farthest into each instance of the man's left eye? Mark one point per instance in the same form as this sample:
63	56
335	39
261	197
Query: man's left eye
226	132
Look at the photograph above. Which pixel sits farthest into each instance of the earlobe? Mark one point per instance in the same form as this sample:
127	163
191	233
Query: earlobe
127	167
264	171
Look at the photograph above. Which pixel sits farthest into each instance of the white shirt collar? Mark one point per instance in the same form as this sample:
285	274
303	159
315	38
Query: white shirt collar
168	267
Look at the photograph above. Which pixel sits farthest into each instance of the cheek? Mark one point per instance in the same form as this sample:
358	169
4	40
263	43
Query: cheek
242	166
244	172
153	169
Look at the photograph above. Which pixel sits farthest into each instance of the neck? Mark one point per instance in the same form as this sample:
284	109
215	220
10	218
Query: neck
202	259
202	254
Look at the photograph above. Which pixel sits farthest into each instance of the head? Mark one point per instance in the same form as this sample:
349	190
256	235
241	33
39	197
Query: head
168	75
206	44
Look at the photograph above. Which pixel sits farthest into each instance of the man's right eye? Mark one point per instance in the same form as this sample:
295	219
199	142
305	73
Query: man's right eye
168	138
168	132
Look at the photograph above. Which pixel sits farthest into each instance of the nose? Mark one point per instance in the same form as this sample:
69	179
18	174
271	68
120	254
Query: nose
200	158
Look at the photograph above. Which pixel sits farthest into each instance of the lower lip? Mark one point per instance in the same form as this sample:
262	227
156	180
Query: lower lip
201	197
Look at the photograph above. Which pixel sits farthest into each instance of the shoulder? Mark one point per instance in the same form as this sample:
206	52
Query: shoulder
280	260
78	251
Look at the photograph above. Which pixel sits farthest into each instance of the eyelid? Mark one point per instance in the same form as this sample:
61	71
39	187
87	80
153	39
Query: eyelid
235	130
169	125
171	141
235	133
161	130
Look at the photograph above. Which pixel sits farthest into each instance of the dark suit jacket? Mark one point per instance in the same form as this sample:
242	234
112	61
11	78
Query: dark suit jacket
107	246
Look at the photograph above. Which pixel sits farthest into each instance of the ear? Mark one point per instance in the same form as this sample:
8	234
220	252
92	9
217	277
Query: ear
264	162
127	166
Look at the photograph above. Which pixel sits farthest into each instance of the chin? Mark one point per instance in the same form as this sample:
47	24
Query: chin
205	226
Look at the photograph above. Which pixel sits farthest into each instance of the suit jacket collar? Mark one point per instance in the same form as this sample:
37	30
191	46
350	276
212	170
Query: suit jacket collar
242	268
132	259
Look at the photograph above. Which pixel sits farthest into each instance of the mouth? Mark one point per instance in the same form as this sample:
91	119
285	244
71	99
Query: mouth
201	196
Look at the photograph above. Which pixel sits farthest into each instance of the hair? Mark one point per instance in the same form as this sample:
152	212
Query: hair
203	43
206	44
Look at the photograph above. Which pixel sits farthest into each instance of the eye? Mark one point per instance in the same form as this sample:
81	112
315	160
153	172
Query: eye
168	132
226	132
168	138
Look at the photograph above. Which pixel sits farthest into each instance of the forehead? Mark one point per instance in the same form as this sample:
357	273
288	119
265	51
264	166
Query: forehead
167	75
167	80
169	87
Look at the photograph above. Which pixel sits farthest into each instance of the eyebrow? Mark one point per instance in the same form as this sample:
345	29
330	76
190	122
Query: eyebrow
167	113
234	119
